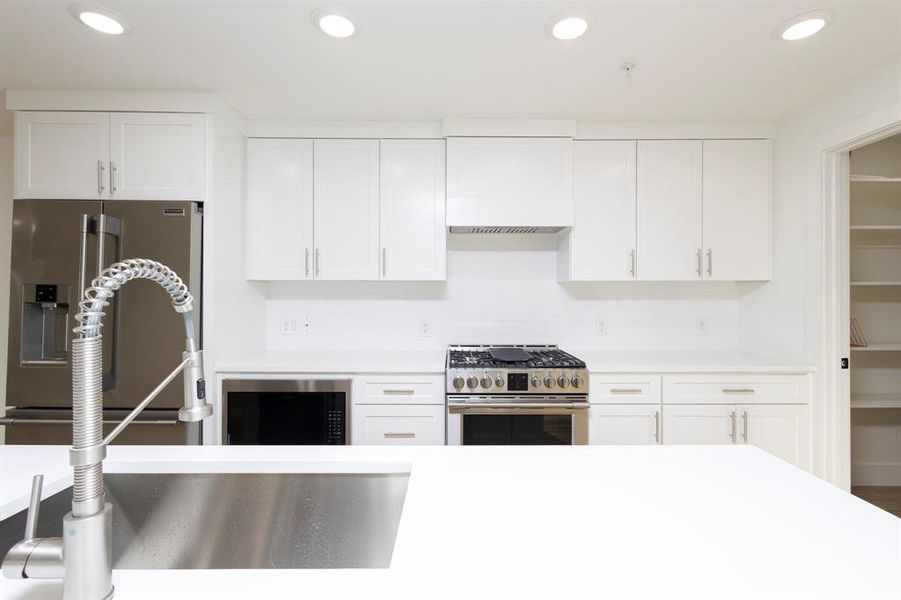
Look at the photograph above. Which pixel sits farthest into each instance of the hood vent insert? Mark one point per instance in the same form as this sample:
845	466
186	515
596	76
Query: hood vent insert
525	229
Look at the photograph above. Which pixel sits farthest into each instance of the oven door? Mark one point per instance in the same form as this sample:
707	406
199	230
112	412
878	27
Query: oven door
500	421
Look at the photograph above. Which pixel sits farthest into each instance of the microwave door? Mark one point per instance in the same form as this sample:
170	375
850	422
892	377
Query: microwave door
48	247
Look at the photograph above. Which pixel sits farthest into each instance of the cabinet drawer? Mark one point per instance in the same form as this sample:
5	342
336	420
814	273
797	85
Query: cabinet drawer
736	389
624	389
398	424
403	389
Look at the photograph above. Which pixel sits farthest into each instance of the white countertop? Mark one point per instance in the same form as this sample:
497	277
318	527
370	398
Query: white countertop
543	522
433	362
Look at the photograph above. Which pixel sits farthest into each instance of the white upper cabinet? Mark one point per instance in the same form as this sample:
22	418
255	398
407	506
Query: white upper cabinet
601	244
346	215
61	155
156	156
669	210
737	205
127	156
279	209
509	182
412	215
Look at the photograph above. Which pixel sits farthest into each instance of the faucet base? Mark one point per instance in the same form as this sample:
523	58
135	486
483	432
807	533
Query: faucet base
87	547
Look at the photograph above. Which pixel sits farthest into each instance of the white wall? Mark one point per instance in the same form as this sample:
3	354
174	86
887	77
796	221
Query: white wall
786	315
502	289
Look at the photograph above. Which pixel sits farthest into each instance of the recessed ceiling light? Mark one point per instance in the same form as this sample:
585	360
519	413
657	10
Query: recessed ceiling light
335	25
803	25
569	28
100	19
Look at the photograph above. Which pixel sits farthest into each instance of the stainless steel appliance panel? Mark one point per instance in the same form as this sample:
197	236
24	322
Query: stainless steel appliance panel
143	336
46	242
54	426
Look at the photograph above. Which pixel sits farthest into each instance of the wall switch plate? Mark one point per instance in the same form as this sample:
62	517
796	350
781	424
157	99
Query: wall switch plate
701	326
600	326
425	328
287	326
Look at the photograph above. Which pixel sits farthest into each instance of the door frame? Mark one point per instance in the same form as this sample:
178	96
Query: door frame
831	182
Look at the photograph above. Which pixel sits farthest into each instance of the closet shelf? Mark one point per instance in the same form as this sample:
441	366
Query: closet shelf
874	179
875	400
878	347
876	283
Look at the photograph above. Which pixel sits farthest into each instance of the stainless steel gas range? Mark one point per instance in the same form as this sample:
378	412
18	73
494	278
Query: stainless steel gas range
515	395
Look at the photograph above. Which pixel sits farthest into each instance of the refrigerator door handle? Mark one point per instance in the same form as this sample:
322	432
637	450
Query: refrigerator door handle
112	226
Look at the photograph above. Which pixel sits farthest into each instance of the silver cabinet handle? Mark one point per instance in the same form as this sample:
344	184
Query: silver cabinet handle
744	426
112	178
738	390
734	426
100	170
398	392
393	435
709	262
306	262
625	390
383	263
632	262
657	425
700	268
316	261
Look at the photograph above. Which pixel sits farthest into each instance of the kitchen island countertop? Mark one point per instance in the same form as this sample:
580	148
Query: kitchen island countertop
539	522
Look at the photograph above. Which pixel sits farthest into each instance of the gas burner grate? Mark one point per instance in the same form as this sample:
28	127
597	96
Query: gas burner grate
539	358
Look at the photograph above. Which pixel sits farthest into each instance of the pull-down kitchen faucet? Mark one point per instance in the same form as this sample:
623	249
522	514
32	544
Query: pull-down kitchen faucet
82	558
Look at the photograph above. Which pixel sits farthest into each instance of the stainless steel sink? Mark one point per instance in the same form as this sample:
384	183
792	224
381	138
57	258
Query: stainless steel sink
241	520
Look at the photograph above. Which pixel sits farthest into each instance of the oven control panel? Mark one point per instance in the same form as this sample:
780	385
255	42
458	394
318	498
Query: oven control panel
531	381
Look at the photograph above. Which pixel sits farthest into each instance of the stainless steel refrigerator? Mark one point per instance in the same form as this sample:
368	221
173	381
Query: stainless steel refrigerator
58	247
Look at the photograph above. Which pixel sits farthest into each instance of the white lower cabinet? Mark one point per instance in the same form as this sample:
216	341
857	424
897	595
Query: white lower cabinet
698	424
414	424
624	424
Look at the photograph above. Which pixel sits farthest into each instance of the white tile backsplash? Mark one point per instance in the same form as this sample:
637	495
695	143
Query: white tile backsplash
503	289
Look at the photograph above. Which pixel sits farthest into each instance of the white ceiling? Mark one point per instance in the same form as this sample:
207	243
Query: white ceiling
697	61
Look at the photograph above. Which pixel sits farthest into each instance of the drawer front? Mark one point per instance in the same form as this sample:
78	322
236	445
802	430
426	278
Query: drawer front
736	389
624	389
401	424
403	389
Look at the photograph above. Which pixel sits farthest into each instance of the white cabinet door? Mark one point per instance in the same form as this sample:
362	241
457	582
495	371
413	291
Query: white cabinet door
157	156
381	424
624	424
413	230
669	210
601	244
737	205
698	424
279	209
509	181
61	155
782	430
346	209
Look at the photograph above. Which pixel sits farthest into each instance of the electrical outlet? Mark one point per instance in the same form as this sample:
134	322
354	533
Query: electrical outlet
307	328
600	326
287	326
425	328
701	326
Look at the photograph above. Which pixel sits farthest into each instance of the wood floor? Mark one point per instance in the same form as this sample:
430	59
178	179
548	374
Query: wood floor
887	498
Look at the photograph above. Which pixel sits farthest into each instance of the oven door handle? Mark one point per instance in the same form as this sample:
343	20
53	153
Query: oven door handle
462	406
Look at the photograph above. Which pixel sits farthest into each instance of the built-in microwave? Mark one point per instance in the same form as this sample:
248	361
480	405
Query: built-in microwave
307	412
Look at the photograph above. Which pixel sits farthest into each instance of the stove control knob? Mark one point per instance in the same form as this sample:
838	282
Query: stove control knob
472	382
499	381
458	383
549	382
562	381
576	381
535	381
486	382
